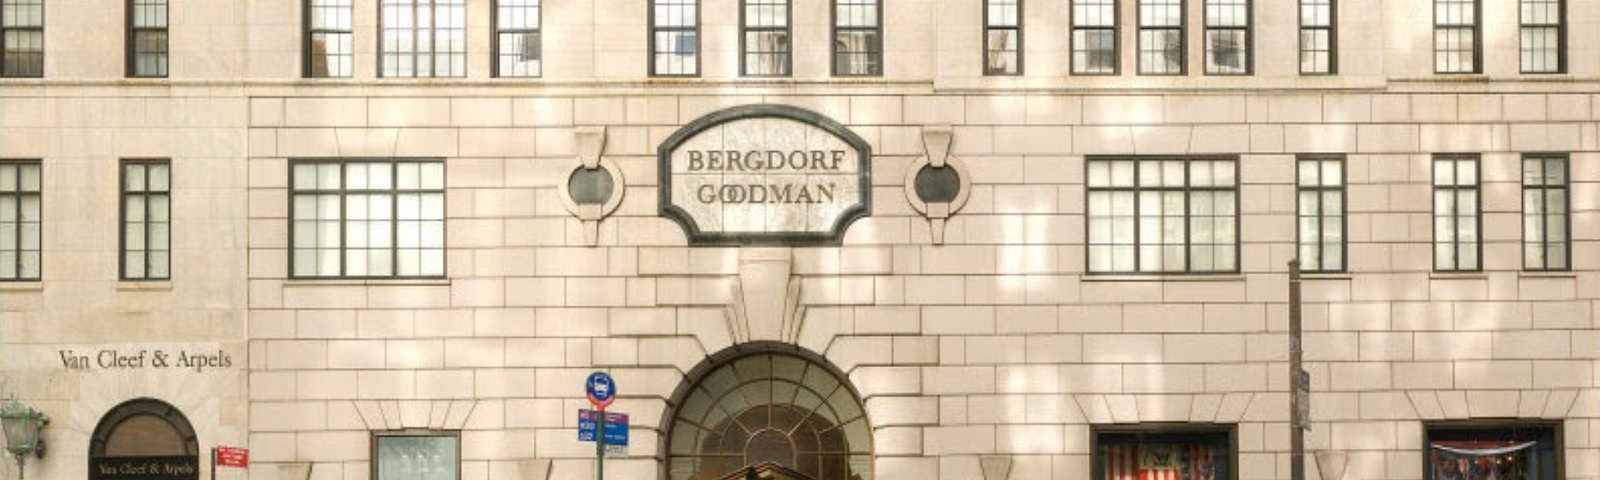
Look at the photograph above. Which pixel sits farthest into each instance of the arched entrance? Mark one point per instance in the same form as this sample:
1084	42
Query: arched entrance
775	408
144	439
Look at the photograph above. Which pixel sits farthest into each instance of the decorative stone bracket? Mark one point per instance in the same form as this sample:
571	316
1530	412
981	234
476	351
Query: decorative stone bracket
937	185
594	188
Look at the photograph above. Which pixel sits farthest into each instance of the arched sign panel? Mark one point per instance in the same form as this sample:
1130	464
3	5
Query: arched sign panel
144	439
765	174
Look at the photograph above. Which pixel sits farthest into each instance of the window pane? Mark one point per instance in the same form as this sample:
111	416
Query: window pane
418	457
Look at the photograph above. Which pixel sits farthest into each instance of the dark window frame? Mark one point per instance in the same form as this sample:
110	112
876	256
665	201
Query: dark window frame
744	34
1183	40
19	193
1343	214
1097	462
654	51
123	195
1333	38
1455	189
1561	39
1188	267
5	49
1544	189
309	32
1022	46
1557	435
132	36
1477	38
1116	40
833	19
433	28
344	194
494	40
1247	50
376	435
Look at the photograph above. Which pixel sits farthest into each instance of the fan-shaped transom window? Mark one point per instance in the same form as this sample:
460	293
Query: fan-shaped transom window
768	406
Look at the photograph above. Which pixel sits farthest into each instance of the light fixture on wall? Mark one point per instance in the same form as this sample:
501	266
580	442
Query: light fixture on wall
24	431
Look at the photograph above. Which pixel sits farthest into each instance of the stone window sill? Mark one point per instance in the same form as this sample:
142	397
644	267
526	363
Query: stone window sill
27	286
144	286
1549	274
368	282
1458	276
1343	276
1186	277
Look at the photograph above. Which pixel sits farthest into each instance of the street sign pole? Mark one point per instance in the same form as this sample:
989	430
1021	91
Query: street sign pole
1297	425
600	444
601	390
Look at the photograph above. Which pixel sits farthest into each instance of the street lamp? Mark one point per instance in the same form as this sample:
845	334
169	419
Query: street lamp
24	430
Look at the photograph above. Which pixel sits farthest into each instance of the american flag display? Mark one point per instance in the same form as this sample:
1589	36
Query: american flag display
1160	461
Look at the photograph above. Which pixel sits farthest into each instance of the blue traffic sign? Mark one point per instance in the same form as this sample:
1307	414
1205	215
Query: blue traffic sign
616	427
601	389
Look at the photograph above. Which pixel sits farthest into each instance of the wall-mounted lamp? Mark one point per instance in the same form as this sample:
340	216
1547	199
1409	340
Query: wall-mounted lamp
24	431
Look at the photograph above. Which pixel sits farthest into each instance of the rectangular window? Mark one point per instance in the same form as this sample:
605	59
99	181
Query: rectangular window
1186	453
1319	39
1545	237
1544	45
1161	44
147	38
329	51
19	220
1456	36
1492	451
857	38
518	46
1163	215
766	38
1002	37
367	218
1321	213
21	38
417	455
675	38
146	219
423	38
1094	37
1228	37
1456	228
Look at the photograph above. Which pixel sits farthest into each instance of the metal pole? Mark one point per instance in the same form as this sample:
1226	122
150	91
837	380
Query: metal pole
213	463
600	444
1297	435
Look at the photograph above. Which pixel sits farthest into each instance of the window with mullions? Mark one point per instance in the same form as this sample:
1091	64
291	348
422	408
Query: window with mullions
1319	39
1200	453
21	38
1321	213
147	38
416	455
1545	237
1163	215
518	44
146	219
329	51
857	38
1544	36
1228	37
19	220
675	38
1161	46
766	38
424	38
1455	36
1456	230
1002	37
367	218
1094	37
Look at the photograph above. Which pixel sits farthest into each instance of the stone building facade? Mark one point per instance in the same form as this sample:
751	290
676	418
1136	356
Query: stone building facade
989	343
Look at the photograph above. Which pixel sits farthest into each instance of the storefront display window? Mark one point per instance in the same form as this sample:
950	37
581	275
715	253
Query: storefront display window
1492	453
418	455
1200	453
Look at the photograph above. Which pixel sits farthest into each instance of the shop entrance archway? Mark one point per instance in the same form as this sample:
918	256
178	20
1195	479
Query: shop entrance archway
144	439
768	408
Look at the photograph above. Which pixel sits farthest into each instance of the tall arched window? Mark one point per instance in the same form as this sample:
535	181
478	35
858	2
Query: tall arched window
770	407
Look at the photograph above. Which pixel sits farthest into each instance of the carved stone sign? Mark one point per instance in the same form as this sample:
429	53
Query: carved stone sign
765	174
